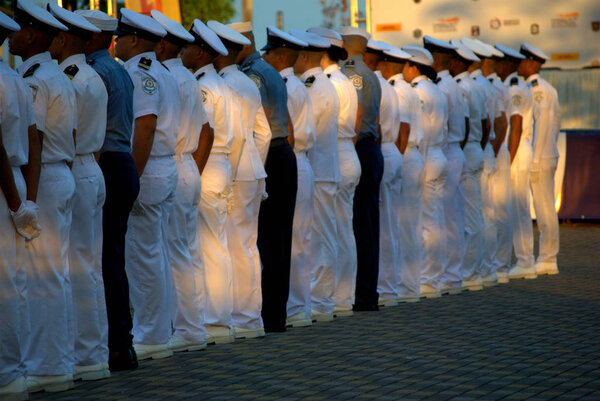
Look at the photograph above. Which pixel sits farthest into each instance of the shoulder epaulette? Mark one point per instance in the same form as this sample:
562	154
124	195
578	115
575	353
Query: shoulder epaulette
437	80
458	80
90	62
285	80
414	84
166	68
31	70
328	75
514	81
349	62
534	83
71	71
491	80
199	76
145	63
245	68
309	81
393	82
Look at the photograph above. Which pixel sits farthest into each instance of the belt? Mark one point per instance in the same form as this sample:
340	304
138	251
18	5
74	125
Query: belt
57	163
183	156
366	136
345	139
160	157
85	157
275	142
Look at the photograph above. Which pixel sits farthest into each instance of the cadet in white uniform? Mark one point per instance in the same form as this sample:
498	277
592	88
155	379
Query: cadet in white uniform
156	112
325	163
435	120
194	139
216	183
85	251
250	129
454	197
410	205
521	154
389	191
281	52
501	177
17	219
345	273
471	183
546	127
49	358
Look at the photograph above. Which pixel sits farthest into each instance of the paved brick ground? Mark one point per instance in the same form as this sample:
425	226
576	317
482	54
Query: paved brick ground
536	339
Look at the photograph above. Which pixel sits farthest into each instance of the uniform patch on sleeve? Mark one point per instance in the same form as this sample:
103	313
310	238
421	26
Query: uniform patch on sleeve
422	105
256	79
204	96
357	81
149	85
34	90
517	100
538	96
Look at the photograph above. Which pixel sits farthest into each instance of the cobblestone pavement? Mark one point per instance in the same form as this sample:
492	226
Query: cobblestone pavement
529	339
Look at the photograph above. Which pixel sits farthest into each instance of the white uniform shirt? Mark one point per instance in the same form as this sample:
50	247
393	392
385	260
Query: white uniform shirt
16	115
457	109
493	103
409	100
389	111
54	104
475	100
546	118
156	92
324	156
521	103
435	112
246	107
501	93
92	99
348	101
216	99
300	108
193	116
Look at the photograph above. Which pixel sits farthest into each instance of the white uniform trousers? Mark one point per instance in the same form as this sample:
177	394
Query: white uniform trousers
488	209
389	246
410	233
474	225
51	344
214	251
545	210
522	227
345	272
85	263
147	260
324	247
434	222
188	320
14	313
503	210
300	266
242	232
454	213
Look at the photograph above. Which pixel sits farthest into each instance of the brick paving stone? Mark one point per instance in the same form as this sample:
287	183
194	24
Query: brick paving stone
529	338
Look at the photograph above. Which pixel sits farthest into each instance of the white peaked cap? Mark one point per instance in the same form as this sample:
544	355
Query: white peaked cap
99	19
508	52
420	55
208	37
329	34
480	50
354	31
241	27
172	27
8	23
227	33
463	51
397	54
316	42
29	10
71	20
529	50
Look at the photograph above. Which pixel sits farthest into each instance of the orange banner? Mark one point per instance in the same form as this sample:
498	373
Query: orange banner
168	7
388	27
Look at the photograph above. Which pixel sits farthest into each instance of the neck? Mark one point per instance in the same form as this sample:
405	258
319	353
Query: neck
221	62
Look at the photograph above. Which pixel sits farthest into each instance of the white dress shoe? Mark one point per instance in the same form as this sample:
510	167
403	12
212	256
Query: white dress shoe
451	290
177	344
491	280
388	302
16	390
427	291
549	268
522	272
341	311
91	372
219	334
502	277
320	316
50	384
241	332
298	320
408	298
152	351
472	285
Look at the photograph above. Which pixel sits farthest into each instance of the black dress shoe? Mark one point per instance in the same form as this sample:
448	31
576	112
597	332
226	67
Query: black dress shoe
275	329
365	307
122	360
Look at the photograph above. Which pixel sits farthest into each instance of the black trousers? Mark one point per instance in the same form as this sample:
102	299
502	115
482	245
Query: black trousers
122	188
366	221
275	221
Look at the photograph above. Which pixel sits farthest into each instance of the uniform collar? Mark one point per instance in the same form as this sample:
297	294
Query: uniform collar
531	78
230	67
331	68
308	73
37	59
286	72
444	73
203	70
476	73
493	75
250	59
511	76
462	75
98	54
173	62
378	74
74	59
396	78
135	59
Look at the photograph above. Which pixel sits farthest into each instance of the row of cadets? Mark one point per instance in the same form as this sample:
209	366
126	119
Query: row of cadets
389	192
281	52
19	174
249	148
324	161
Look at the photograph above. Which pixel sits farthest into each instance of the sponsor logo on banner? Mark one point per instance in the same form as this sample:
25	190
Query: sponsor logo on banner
475	30
512	22
564	56
417	33
446	25
495	23
535	29
388	27
565	20
595	26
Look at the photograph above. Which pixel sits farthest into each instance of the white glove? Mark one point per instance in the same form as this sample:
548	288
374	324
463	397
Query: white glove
535	173
265	195
25	220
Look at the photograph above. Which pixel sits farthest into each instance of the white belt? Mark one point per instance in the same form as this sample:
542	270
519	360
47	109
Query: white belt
183	156
345	139
152	157
84	158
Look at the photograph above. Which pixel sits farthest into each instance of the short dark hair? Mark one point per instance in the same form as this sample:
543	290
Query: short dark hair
336	53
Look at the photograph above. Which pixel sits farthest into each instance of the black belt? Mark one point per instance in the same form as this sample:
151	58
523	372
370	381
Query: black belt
278	142
366	135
